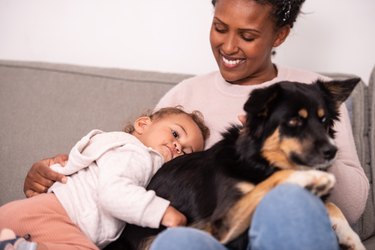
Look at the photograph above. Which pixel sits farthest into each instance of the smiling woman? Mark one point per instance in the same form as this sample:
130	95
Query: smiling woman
242	39
243	35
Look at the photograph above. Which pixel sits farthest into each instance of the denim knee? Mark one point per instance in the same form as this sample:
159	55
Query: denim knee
290	217
185	238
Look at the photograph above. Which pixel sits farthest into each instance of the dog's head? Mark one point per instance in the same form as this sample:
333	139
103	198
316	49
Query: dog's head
291	124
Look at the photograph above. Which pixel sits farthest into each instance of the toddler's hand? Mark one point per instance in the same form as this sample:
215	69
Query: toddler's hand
173	218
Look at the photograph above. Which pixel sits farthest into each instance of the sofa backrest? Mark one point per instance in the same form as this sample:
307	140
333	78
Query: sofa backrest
46	108
366	225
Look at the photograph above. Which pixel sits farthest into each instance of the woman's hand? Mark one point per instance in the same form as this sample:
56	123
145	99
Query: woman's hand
173	218
40	177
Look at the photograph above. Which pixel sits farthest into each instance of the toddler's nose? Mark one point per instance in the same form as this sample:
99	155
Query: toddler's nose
177	147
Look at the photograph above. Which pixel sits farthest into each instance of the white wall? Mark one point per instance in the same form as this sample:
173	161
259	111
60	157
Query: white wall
172	35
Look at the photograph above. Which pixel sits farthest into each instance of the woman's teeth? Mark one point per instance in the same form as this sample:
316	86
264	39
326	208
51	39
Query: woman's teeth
231	62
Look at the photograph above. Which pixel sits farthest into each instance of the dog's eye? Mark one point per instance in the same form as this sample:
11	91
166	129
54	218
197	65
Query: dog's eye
295	122
323	119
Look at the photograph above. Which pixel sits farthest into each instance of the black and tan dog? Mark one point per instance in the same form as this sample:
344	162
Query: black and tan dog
287	137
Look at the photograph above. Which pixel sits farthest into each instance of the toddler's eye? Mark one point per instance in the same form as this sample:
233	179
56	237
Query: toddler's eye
175	134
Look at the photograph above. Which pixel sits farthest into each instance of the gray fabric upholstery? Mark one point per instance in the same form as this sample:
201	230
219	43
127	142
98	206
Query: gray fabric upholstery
45	108
368	218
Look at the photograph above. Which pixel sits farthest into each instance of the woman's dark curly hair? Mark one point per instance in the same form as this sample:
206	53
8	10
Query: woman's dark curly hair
284	12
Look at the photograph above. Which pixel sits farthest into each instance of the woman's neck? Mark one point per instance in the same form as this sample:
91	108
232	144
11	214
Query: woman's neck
259	77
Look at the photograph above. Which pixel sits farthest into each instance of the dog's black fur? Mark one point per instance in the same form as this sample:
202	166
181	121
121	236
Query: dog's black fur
204	185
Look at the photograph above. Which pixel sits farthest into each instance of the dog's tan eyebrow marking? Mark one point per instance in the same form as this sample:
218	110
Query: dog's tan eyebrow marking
321	113
303	113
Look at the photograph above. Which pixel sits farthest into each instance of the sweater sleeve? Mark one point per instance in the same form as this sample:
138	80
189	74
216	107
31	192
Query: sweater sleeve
123	175
352	186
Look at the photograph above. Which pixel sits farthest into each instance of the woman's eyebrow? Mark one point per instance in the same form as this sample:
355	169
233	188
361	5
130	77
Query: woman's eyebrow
217	19
240	29
249	30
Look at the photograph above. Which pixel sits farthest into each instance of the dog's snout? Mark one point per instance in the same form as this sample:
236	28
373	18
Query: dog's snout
328	151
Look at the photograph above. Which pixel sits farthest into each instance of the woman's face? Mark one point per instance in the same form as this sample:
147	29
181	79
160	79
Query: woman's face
242	37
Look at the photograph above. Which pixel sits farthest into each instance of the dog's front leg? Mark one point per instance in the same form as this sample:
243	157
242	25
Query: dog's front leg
345	234
238	218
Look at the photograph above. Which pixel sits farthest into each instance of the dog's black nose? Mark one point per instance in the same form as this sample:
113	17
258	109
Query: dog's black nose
328	151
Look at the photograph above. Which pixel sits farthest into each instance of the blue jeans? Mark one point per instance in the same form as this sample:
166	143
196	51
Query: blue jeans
288	217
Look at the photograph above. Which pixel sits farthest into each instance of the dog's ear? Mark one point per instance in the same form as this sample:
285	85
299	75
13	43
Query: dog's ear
259	107
338	90
261	100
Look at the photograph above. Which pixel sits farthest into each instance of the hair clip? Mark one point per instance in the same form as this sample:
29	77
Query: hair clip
286	9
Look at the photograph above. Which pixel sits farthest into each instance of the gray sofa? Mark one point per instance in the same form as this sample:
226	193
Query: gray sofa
45	108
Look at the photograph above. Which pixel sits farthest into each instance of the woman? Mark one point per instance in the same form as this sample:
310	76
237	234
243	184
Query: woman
243	36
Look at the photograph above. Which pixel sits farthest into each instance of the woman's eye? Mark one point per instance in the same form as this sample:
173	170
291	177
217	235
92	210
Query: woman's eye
247	37
220	28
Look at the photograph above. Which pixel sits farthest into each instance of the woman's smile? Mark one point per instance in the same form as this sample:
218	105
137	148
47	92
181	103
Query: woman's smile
231	63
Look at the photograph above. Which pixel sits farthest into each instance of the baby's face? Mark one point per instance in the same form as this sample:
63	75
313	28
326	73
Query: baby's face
173	135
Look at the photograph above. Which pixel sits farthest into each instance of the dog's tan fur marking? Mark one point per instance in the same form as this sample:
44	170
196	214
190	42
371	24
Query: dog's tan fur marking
321	113
345	234
245	187
289	145
276	150
238	218
303	113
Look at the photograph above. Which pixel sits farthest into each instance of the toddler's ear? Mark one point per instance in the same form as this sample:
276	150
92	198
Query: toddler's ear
141	124
242	118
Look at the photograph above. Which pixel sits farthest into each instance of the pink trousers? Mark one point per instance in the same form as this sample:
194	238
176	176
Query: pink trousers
44	218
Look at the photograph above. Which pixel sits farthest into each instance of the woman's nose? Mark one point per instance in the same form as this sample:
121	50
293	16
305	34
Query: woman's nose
229	45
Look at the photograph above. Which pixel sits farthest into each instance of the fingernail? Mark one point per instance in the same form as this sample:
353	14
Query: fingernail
27	237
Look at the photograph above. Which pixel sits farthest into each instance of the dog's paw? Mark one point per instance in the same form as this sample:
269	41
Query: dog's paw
348	239
318	182
352	244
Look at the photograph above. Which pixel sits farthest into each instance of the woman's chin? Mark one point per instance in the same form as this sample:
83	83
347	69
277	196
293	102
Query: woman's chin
231	78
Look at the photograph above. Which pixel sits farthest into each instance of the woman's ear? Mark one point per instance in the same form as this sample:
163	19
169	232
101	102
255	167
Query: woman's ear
281	35
141	124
